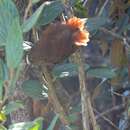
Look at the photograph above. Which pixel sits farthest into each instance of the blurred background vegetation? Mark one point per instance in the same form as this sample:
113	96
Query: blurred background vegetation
24	98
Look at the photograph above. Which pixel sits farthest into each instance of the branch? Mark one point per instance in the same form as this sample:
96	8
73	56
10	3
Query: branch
115	108
27	10
107	120
52	93
87	110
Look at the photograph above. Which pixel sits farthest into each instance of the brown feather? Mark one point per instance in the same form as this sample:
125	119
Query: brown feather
57	42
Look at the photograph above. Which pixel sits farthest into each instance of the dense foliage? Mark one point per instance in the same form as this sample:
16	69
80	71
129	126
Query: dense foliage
25	102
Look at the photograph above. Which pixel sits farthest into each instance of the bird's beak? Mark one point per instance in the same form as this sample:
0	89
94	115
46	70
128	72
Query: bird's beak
84	20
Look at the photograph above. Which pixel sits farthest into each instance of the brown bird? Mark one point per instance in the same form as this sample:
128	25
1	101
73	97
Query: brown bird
58	41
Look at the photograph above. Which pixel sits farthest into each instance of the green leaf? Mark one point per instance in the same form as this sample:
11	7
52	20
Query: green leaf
2	127
20	126
14	49
27	125
101	72
35	1
95	23
50	12
37	124
3	116
53	123
65	70
14	79
10	33
76	108
12	106
8	12
79	9
122	23
2	75
1	90
46	13
98	127
32	20
1	69
5	71
73	117
34	89
73	2
72	127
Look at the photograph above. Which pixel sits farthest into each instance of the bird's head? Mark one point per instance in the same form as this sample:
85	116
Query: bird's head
80	35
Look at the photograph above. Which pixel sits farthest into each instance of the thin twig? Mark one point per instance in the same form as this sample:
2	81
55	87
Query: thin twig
111	33
8	88
121	95
107	120
84	93
115	108
27	10
85	2
114	34
102	8
52	93
87	110
97	89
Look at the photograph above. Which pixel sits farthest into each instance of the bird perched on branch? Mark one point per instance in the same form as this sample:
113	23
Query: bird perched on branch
58	41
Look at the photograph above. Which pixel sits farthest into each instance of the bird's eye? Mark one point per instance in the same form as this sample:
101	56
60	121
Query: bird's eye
77	29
